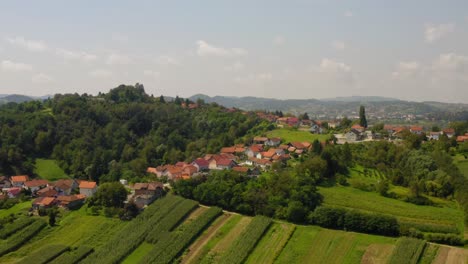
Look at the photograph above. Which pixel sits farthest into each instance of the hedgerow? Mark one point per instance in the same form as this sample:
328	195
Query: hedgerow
74	256
448	239
172	244
45	254
429	227
17	240
9	229
407	250
134	233
352	220
245	243
171	220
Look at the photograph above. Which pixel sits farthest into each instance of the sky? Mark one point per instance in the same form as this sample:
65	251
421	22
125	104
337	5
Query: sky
412	50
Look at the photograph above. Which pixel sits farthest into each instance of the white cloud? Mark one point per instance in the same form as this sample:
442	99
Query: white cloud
331	66
76	55
152	74
8	65
348	13
433	33
451	62
407	68
237	66
42	78
31	45
167	60
100	73
118	59
338	45
279	41
206	49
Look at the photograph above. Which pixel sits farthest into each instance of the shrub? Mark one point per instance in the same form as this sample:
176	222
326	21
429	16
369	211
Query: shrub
339	218
448	239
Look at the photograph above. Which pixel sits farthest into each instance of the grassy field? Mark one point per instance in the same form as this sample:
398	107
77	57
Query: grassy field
352	198
462	164
74	229
22	207
290	135
311	244
49	170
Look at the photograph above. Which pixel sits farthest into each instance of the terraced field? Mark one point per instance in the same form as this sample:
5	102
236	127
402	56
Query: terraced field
176	230
348	197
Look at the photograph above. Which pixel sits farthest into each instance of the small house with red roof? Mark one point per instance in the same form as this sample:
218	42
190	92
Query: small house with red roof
65	186
13	192
71	201
449	132
418	130
35	185
201	164
44	202
19	180
88	188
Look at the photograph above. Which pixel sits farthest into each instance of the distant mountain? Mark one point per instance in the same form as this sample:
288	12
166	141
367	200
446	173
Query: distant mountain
376	107
360	99
18	98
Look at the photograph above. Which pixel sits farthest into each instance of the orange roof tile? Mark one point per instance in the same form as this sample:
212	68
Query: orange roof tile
87	185
20	178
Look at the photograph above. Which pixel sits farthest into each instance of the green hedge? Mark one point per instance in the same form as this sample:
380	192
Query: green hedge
11	228
172	244
246	242
351	220
45	254
16	240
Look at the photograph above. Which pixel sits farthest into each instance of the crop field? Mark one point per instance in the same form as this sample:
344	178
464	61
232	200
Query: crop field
311	244
271	244
177	230
19	208
49	170
290	135
74	229
348	197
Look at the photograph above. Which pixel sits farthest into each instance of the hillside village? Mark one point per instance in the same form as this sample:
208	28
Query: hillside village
246	159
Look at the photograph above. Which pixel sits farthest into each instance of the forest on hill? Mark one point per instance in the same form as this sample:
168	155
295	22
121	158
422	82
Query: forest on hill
114	135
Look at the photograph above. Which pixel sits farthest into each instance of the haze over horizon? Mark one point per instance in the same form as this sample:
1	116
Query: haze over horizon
415	51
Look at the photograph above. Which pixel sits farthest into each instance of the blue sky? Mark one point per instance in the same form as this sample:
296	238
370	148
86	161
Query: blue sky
414	50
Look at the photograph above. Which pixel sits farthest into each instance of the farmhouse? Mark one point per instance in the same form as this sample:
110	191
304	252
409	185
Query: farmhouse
201	164
65	186
4	182
433	136
449	132
418	130
88	188
71	201
43	202
18	181
48	191
35	185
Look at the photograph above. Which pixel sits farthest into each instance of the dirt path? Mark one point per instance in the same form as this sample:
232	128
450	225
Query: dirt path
377	254
452	255
195	248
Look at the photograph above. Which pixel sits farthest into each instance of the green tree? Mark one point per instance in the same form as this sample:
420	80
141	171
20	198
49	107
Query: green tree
362	116
110	194
161	99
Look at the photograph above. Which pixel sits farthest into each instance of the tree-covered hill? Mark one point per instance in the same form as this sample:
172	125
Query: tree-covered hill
113	135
